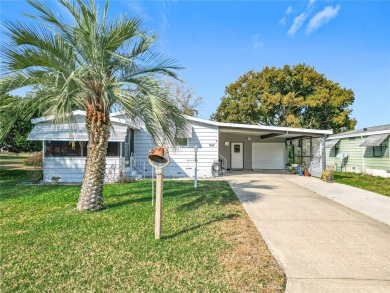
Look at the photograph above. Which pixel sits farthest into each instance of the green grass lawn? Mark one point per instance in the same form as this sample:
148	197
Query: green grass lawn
13	161
208	243
371	183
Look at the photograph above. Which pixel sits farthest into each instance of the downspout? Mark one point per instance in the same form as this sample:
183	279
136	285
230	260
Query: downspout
311	154
218	148
43	159
362	152
301	144
323	153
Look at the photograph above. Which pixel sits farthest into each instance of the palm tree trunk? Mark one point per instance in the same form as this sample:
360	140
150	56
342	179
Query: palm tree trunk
91	195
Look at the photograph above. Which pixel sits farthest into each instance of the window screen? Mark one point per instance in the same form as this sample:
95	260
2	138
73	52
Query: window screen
113	149
65	148
378	151
182	141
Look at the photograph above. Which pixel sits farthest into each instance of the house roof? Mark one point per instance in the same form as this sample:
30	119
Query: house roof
368	131
234	128
72	131
75	129
285	132
75	113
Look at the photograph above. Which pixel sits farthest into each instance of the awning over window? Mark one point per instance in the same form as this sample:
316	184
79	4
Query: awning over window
374	140
331	143
72	132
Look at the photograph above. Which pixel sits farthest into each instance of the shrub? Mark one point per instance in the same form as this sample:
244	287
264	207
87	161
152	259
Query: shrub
34	161
328	175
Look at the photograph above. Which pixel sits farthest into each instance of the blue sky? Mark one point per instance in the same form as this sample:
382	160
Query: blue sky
218	41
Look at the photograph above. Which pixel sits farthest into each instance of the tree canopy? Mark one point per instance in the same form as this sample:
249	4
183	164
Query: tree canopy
16	138
292	96
184	97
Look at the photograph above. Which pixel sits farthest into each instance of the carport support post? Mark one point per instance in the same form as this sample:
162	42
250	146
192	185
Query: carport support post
159	202
196	166
311	153
323	153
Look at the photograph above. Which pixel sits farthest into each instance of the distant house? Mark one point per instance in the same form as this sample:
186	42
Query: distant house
361	151
221	147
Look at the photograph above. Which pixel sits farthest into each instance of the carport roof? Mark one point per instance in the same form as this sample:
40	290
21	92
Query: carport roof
262	130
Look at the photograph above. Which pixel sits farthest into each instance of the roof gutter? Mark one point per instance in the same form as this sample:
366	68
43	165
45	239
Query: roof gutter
360	134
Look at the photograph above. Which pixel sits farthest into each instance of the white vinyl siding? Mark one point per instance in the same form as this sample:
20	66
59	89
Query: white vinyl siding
71	169
183	158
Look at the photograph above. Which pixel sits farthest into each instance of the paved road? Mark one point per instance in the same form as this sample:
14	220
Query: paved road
321	245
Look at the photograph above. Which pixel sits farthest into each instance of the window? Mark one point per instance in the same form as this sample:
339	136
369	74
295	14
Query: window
378	151
113	149
182	142
65	149
76	149
236	148
336	149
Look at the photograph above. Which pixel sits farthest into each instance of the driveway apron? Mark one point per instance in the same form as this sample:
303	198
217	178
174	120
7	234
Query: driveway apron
321	245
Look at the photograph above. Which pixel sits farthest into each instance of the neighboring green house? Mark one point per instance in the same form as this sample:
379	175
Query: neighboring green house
361	151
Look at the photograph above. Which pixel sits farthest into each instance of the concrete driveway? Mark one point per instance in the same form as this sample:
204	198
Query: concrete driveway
321	245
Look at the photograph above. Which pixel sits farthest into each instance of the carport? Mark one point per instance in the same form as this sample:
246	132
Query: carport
258	147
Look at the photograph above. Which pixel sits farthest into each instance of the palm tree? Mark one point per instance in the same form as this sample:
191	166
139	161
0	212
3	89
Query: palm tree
93	64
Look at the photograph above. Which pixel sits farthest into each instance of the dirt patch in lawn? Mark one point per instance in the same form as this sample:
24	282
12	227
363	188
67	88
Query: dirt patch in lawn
250	265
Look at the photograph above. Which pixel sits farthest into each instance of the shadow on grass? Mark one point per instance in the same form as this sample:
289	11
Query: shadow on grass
13	174
132	192
127	202
204	199
341	176
219	219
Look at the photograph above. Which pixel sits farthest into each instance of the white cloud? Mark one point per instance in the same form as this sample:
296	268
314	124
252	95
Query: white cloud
283	20
165	24
297	24
256	41
311	2
137	9
322	17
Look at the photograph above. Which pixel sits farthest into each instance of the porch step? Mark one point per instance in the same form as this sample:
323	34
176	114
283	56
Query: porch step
134	173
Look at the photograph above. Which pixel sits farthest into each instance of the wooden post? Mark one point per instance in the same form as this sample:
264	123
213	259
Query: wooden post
196	166
159	202
158	160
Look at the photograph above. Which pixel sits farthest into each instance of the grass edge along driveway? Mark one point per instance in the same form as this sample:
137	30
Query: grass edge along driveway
376	184
208	244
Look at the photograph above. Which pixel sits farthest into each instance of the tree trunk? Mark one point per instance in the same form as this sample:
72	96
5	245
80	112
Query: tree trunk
91	195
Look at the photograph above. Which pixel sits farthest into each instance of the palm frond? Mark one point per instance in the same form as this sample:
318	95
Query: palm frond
90	61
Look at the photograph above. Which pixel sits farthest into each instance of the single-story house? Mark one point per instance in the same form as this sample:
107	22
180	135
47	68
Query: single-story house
228	146
361	151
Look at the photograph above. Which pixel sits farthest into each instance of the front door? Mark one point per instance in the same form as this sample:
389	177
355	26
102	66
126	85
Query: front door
237	155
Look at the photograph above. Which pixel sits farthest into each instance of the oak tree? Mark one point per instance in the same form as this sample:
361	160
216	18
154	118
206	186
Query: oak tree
15	139
292	96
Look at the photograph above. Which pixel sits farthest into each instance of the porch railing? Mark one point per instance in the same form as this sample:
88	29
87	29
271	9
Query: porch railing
137	164
223	163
